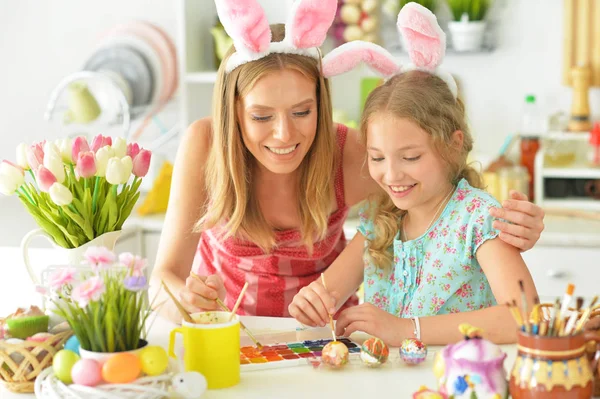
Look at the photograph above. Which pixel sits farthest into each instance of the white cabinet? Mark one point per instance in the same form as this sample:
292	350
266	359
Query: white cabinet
552	268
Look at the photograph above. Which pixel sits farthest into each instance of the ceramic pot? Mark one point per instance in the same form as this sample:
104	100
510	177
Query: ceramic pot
102	357
552	367
467	36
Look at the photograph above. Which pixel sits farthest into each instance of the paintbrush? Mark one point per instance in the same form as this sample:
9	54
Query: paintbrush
226	309
586	315
524	305
330	316
574	314
184	313
535	316
554	317
516	314
239	301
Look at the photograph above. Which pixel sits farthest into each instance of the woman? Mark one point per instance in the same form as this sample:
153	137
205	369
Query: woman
260	192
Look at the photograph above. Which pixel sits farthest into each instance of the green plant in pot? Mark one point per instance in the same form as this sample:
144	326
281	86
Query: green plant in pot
429	4
468	23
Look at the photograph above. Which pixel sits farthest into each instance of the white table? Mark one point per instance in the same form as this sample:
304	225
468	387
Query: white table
354	381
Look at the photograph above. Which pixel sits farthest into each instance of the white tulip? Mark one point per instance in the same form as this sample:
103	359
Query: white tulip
22	156
102	156
53	162
65	146
50	146
60	195
11	178
118	170
120	147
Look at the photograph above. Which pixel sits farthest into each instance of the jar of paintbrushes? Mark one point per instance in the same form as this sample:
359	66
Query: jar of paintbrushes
552	360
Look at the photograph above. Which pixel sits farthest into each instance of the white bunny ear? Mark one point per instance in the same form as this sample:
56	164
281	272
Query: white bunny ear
309	22
349	55
245	22
425	40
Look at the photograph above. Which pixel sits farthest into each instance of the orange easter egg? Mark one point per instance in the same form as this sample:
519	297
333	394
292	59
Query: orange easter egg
121	368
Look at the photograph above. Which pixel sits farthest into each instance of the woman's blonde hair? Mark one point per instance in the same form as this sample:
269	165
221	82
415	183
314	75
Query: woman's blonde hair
229	175
427	101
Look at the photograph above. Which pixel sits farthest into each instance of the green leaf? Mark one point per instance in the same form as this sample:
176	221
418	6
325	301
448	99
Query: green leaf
126	211
47	225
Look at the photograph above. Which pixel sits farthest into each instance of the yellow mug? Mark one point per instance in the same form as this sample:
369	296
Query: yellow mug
211	347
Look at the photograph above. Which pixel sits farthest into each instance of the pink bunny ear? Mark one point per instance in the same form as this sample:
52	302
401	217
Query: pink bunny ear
245	22
425	40
309	22
349	55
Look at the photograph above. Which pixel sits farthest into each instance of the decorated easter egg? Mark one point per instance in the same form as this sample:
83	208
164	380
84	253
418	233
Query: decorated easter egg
335	354
413	351
154	360
121	368
426	393
87	372
63	363
72	344
374	352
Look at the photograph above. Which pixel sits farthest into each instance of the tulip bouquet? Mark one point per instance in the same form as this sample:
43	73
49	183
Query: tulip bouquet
104	305
76	191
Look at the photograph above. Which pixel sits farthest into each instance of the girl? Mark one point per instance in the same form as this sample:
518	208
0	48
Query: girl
432	259
278	174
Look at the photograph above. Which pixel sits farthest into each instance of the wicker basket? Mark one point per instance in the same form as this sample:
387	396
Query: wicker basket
19	376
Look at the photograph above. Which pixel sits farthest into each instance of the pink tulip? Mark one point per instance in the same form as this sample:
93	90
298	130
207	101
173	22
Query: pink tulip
136	263
141	163
45	178
100	141
35	155
88	291
80	144
86	164
133	149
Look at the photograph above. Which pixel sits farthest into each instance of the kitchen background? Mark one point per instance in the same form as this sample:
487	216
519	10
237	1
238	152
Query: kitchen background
43	42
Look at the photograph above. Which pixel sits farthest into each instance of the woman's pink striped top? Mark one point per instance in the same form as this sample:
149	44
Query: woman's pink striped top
273	279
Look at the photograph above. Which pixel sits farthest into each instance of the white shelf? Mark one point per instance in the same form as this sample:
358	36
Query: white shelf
580	172
201	77
579	136
582	204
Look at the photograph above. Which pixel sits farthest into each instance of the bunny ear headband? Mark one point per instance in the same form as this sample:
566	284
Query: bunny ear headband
245	22
425	41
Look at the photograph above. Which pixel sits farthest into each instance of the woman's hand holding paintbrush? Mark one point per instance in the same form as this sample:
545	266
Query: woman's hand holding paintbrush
200	292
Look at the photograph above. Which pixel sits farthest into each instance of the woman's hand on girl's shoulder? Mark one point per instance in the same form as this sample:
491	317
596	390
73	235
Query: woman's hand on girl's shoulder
369	319
525	221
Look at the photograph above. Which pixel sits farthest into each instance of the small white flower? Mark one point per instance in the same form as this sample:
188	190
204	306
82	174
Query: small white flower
22	156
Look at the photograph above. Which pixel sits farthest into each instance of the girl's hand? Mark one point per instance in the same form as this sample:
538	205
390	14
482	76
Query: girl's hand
200	293
313	305
526	221
376	322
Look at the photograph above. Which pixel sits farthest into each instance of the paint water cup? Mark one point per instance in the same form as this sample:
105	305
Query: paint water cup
211	347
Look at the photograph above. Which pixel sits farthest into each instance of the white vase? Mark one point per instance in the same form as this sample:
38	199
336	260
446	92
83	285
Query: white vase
66	256
467	35
102	357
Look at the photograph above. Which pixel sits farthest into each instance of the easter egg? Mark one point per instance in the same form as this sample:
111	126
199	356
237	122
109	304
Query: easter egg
189	385
63	362
335	354
40	337
72	344
154	360
121	368
413	351
374	352
87	372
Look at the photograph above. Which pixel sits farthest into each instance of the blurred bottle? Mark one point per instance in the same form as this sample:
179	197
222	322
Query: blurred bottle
532	127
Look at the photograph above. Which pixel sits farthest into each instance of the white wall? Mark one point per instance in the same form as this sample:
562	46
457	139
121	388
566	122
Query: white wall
42	41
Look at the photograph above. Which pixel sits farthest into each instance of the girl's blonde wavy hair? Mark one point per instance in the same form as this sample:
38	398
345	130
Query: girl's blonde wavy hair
231	203
427	101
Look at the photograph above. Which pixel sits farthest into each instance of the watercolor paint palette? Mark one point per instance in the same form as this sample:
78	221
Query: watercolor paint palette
288	354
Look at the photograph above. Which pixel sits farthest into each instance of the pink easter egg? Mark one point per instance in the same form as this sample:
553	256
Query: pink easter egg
40	337
87	372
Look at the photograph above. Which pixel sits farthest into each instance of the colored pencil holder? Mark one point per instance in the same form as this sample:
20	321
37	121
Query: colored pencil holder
552	367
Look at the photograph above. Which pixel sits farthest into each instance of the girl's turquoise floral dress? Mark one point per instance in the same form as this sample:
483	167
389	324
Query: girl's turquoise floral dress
438	272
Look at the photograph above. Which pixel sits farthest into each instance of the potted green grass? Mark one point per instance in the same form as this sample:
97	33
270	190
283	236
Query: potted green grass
468	23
